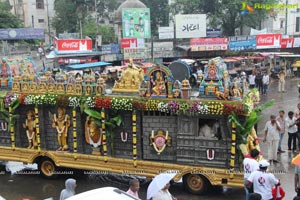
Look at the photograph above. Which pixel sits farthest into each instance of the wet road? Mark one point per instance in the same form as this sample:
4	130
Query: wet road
32	186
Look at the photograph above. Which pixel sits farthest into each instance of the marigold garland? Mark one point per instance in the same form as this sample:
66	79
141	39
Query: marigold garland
103	134
134	139
37	127
12	130
74	133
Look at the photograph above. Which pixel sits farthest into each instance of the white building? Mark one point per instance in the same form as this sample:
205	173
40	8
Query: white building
287	21
35	14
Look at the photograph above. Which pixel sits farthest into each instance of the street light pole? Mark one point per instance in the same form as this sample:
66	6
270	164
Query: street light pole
48	18
286	17
97	28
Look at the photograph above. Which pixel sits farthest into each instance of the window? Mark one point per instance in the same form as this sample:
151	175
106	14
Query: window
297	24
298	10
41	20
39	4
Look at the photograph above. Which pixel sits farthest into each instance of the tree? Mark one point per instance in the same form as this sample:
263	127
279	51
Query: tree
7	19
159	13
223	13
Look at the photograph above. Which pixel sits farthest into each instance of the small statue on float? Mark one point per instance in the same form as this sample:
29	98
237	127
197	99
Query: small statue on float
30	127
236	92
158	84
61	122
186	89
177	89
93	134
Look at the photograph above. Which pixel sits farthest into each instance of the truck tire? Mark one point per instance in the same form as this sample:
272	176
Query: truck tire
196	184
47	168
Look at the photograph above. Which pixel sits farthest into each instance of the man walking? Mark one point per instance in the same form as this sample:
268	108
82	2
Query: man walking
271	136
291	123
263	181
250	165
266	82
281	82
282	124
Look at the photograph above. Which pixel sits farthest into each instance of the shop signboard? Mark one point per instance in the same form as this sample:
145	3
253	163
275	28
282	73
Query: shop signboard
162	49
268	41
136	53
110	49
190	26
132	43
21	33
286	43
136	23
209	44
73	45
165	33
213	32
240	43
296	42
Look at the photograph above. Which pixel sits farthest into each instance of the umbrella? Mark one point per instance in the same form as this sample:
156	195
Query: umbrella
158	183
296	160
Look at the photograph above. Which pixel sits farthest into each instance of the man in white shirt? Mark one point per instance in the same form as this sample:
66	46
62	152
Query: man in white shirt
262	181
281	82
271	136
266	82
291	122
250	165
251	81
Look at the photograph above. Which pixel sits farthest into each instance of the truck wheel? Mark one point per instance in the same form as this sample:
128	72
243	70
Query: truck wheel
196	183
47	168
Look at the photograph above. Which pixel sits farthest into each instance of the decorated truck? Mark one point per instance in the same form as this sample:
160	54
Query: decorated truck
146	124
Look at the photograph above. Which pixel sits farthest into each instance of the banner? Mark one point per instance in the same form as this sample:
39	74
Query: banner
21	33
136	53
240	43
268	41
286	43
209	44
255	32
165	33
213	32
190	26
110	49
73	45
136	23
296	42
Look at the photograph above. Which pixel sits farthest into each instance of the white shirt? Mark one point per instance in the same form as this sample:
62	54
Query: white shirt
263	183
272	132
252	79
289	122
161	195
266	79
250	165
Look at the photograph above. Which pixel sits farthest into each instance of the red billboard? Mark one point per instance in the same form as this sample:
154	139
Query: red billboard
209	44
286	43
266	41
128	43
73	45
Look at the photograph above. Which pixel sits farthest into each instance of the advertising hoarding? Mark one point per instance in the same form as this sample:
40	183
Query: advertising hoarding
286	43
21	33
190	26
73	45
136	23
268	41
209	44
137	53
240	43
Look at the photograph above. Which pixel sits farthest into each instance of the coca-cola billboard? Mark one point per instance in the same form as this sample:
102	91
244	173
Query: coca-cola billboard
267	41
73	45
287	43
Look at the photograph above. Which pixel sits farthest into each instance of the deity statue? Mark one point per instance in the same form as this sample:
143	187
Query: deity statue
61	122
159	86
236	92
4	70
92	132
212	71
88	90
30	127
70	89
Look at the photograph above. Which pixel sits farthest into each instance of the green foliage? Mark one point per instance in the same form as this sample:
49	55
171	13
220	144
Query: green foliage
7	19
5	115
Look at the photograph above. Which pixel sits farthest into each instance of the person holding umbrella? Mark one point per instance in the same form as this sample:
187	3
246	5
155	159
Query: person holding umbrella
159	187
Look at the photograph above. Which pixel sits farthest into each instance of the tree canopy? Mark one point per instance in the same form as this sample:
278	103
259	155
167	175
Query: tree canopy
7	19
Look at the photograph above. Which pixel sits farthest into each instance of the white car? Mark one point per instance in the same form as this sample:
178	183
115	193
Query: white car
105	193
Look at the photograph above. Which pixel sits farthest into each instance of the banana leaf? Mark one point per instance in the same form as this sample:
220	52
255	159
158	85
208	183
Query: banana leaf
15	104
263	106
92	113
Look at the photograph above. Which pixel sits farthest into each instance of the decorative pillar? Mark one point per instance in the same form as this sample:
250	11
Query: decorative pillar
134	140
233	148
37	127
12	134
103	134
74	133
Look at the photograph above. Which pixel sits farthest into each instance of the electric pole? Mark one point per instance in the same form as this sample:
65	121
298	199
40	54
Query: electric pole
48	18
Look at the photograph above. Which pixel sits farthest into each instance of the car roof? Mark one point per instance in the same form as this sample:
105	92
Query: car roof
105	193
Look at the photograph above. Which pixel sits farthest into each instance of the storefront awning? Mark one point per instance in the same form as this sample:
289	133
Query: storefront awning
89	65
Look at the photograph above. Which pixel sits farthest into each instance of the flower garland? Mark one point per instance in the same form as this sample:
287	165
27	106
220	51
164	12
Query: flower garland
215	108
12	132
90	102
134	139
37	127
199	108
162	107
103	134
122	104
152	105
233	149
103	103
74	102
159	143
173	107
74	132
